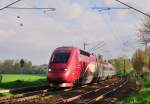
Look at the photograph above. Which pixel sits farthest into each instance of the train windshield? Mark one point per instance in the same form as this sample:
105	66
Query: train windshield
60	58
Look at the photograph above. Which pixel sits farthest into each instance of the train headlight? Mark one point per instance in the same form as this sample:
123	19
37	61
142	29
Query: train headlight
49	70
66	69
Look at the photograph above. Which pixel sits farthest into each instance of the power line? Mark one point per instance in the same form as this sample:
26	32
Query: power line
52	9
9	5
44	10
133	8
94	47
98	46
107	8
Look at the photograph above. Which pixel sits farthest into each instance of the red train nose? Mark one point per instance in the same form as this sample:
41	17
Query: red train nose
59	79
57	76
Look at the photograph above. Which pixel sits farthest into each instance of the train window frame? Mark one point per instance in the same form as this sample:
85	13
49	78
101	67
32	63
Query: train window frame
65	61
84	53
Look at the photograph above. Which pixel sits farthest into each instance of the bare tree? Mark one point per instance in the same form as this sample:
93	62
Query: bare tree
140	62
145	33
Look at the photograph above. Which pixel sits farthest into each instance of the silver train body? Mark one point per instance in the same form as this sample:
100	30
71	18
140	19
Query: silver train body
96	72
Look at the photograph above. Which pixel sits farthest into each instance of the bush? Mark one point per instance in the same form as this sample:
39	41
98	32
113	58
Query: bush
1	78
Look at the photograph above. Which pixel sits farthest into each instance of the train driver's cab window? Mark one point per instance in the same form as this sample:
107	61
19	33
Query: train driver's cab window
60	58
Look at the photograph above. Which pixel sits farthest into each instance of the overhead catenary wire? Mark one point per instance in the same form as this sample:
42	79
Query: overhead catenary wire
9	5
110	8
100	46
107	8
137	10
104	9
96	46
114	33
134	8
44	10
52	9
107	24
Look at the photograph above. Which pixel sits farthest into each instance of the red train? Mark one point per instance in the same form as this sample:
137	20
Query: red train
69	66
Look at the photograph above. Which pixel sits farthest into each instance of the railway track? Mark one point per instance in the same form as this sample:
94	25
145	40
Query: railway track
107	92
93	96
32	95
19	98
75	93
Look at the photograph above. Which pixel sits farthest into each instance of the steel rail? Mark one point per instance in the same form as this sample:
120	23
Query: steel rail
37	94
33	94
30	88
107	93
71	99
18	96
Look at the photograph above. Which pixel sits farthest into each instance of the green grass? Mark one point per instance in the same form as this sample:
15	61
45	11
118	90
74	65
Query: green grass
142	97
6	94
21	80
14	77
121	73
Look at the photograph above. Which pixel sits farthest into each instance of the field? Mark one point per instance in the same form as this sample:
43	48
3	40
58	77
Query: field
141	97
21	80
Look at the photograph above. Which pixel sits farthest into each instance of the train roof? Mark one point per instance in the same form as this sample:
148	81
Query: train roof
104	62
68	48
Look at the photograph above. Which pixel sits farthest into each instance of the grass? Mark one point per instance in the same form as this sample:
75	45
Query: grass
6	94
121	73
21	80
141	97
25	77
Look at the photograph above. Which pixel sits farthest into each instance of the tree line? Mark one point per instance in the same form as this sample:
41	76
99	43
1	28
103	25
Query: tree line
140	63
14	67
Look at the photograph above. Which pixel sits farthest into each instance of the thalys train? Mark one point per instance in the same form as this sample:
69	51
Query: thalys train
70	66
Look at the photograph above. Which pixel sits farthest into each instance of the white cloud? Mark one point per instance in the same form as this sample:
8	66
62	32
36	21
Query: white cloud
74	11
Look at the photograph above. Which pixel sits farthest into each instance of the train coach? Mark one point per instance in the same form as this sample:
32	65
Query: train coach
107	70
69	66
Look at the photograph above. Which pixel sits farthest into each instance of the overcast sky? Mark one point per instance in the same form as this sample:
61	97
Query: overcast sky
73	23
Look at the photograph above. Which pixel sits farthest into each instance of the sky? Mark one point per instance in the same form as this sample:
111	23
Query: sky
73	23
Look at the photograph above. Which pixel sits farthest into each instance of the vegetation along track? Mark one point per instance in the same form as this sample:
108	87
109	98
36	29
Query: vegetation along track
36	95
25	89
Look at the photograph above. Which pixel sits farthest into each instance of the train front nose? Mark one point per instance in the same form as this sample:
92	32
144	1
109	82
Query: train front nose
56	77
59	78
